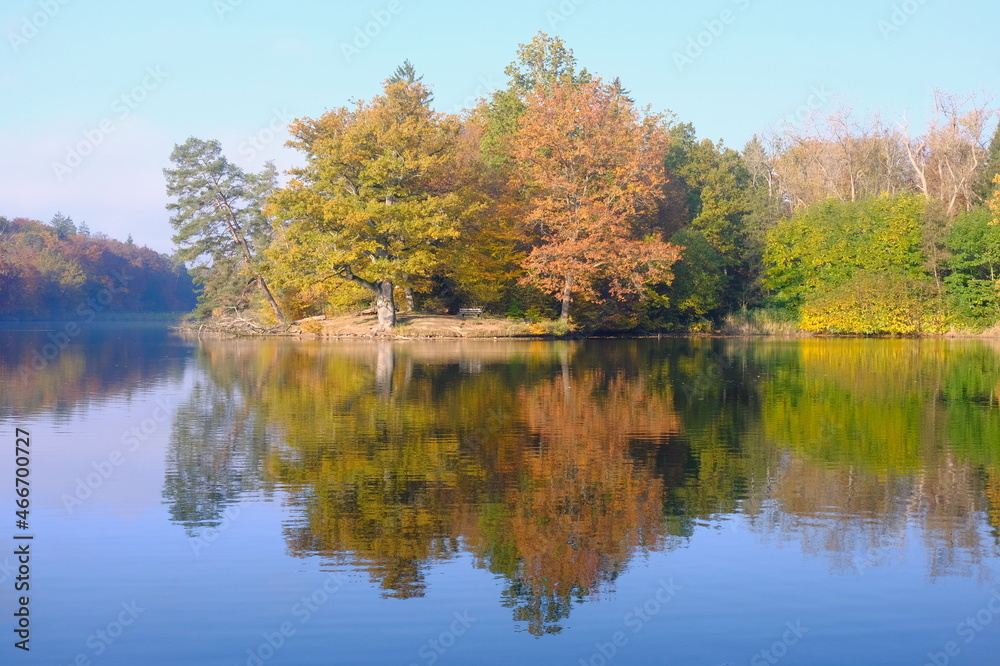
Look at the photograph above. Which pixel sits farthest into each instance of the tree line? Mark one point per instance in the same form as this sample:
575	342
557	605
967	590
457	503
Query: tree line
51	270
558	198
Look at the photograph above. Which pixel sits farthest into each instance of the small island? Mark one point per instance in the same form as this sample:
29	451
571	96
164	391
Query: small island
557	207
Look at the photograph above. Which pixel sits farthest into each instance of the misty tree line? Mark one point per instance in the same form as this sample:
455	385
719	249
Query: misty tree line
55	269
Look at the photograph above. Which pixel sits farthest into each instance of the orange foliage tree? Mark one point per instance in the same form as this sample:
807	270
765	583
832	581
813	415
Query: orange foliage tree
592	167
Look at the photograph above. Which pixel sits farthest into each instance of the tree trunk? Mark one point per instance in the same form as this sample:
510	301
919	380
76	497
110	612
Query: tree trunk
385	369
270	299
385	305
237	233
564	362
566	298
410	302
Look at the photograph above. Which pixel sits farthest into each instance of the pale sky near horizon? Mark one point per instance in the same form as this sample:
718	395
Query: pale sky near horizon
97	92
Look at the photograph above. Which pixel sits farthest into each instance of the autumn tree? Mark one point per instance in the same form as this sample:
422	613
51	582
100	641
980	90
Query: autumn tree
497	242
367	207
43	275
540	64
593	171
842	156
217	218
485	266
947	159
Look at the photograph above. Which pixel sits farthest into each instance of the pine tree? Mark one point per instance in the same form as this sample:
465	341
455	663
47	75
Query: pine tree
63	225
218	216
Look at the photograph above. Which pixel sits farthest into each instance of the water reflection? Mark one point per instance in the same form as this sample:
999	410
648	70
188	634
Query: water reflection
556	464
44	370
217	446
885	434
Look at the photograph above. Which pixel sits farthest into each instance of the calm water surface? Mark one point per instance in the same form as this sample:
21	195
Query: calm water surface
702	502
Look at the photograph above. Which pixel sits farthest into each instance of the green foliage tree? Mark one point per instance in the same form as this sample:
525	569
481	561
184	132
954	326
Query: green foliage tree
832	258
371	205
406	73
731	198
218	219
825	244
543	63
698	287
973	285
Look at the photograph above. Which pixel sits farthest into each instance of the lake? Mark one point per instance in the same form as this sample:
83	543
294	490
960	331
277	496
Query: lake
705	501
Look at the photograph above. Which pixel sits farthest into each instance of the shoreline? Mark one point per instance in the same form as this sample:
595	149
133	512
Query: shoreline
425	327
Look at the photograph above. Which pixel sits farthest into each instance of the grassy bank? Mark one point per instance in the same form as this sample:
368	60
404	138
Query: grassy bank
408	326
753	323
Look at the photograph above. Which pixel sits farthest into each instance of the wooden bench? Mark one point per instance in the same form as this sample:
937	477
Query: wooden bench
469	312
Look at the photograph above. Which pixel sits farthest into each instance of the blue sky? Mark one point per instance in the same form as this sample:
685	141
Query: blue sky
96	92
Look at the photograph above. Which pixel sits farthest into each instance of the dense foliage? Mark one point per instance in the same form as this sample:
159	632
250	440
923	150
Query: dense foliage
558	196
59	270
374	205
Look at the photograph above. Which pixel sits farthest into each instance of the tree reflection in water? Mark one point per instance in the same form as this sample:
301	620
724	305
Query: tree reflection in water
556	464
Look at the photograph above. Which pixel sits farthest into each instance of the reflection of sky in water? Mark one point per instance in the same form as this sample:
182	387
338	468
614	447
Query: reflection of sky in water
218	526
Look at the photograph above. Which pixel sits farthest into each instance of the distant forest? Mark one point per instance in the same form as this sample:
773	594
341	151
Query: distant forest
61	270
